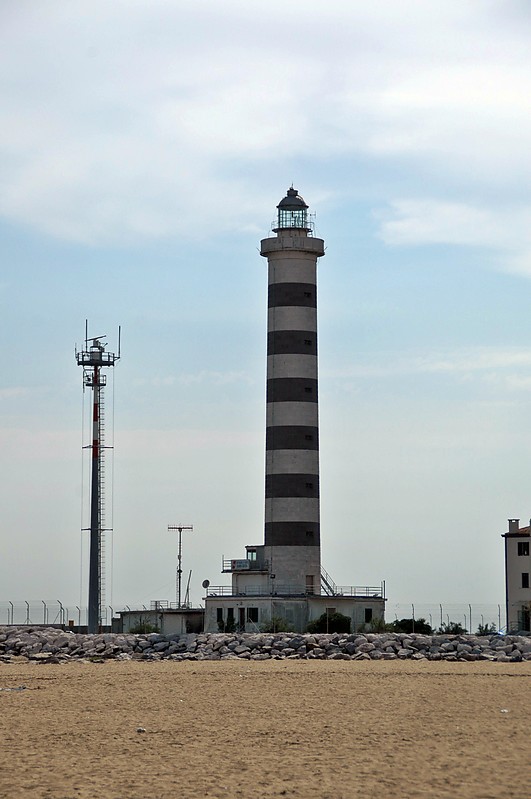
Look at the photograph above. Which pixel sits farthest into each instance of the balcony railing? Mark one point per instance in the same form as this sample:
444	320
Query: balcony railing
361	591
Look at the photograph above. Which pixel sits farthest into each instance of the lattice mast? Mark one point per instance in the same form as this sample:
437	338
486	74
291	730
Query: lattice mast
93	358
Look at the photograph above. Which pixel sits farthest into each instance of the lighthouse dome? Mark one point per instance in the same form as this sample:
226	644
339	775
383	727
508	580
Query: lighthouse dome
292	211
292	201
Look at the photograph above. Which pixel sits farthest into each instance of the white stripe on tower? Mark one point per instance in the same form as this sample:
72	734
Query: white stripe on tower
292	435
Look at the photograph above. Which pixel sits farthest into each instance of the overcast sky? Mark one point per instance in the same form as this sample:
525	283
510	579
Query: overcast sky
144	147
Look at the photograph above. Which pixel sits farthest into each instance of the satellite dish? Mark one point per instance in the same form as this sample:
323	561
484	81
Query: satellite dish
205	583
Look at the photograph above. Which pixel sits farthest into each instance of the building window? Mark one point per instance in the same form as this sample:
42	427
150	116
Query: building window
309	584
523	548
368	615
251	554
252	615
525	579
230	616
219	615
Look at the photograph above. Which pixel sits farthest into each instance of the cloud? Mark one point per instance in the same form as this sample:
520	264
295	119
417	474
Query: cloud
13	392
492	363
216	378
432	221
124	121
506	230
475	116
208	376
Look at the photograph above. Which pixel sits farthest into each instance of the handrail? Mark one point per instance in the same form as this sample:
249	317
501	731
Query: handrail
369	591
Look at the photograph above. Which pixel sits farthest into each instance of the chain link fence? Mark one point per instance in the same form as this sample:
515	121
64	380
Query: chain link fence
470	616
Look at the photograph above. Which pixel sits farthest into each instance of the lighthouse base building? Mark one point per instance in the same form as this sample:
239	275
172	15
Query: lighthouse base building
283	579
251	605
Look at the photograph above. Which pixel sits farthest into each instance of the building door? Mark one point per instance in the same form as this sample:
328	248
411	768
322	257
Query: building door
241	619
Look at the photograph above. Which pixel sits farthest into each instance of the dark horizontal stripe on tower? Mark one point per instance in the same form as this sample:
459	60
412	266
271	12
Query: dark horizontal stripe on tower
292	485
304	294
292	534
292	437
291	389
291	342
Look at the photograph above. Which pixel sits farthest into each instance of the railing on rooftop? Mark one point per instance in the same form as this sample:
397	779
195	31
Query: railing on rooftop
295	223
367	591
376	591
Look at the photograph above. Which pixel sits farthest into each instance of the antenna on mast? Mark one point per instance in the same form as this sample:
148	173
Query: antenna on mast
180	528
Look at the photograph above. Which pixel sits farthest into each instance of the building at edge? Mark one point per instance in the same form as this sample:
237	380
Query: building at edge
517	570
283	578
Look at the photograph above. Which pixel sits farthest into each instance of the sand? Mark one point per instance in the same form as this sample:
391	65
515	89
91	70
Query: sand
266	729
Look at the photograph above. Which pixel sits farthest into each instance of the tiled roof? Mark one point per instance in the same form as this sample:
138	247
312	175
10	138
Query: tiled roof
521	531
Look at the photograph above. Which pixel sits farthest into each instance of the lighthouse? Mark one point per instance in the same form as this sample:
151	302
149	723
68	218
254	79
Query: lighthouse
282	578
292	526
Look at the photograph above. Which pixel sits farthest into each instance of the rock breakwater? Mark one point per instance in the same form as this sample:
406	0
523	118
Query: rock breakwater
52	645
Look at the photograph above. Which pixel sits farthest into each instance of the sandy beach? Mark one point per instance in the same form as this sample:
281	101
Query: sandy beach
276	729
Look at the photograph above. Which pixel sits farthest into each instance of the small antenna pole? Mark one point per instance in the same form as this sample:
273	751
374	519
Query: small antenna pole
179	528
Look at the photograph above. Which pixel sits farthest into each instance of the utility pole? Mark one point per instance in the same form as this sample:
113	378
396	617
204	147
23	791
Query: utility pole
179	528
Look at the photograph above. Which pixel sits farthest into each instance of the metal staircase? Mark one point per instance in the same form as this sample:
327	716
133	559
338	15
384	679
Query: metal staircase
327	584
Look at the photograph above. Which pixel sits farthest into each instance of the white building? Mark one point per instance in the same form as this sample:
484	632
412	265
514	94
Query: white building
517	571
283	578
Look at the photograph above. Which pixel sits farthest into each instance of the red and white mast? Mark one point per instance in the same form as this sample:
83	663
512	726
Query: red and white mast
93	358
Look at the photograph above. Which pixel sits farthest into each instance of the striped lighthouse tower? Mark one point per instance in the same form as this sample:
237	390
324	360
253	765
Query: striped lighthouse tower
292	534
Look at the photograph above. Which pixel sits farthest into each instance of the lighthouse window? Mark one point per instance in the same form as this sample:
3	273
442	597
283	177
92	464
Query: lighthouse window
308	342
523	548
308	438
309	485
307	293
308	389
